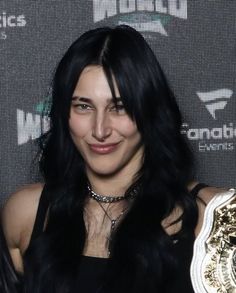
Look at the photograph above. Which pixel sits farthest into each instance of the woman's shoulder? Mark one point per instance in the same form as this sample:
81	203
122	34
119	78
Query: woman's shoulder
206	194
23	200
18	214
18	217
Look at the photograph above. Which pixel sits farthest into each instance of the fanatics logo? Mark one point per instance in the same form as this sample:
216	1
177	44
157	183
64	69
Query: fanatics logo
218	138
215	100
10	21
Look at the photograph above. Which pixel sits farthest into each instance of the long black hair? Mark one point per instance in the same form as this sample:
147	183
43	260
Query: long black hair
141	251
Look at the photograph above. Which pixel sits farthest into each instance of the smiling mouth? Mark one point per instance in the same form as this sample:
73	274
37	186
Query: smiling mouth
103	149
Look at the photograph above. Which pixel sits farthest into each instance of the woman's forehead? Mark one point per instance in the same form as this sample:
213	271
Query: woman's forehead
93	80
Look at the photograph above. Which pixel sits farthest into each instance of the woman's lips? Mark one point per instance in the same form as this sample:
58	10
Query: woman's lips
103	148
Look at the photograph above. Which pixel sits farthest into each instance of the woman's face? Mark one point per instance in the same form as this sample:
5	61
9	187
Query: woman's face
103	133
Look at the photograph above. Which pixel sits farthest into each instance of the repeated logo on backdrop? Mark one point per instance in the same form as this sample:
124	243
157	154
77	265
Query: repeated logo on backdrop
215	100
32	125
220	138
10	21
143	15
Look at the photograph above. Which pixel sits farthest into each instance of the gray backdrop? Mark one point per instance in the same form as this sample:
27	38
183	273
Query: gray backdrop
194	40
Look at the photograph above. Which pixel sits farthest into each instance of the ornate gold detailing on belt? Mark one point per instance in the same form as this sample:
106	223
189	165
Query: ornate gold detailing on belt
213	267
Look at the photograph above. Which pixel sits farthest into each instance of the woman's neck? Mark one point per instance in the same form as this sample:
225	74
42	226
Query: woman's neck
111	186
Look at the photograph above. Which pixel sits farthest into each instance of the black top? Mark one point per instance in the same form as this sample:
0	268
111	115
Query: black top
92	269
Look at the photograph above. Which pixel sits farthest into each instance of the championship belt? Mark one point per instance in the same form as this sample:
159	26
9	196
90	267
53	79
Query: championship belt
213	267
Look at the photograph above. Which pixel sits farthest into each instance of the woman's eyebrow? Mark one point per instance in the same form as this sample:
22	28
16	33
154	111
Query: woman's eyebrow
88	100
82	99
115	100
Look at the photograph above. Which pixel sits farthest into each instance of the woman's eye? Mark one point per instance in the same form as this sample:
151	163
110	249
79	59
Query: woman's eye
82	107
118	108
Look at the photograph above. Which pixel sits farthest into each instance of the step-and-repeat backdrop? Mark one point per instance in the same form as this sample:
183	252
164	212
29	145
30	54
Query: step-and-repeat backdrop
194	40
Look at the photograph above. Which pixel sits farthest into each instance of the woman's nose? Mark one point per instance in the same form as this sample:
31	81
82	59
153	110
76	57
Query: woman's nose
102	126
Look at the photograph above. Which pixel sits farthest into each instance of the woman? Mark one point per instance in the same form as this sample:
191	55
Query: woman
114	213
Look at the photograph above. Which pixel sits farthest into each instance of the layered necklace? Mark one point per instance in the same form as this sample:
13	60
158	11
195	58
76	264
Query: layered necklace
112	199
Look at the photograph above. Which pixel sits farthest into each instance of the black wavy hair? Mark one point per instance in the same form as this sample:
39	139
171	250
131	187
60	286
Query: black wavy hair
141	252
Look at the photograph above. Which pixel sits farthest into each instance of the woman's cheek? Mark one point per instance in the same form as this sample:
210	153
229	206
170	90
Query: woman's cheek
79	127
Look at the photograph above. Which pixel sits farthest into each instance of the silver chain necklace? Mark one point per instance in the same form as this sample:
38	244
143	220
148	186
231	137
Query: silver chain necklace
111	198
